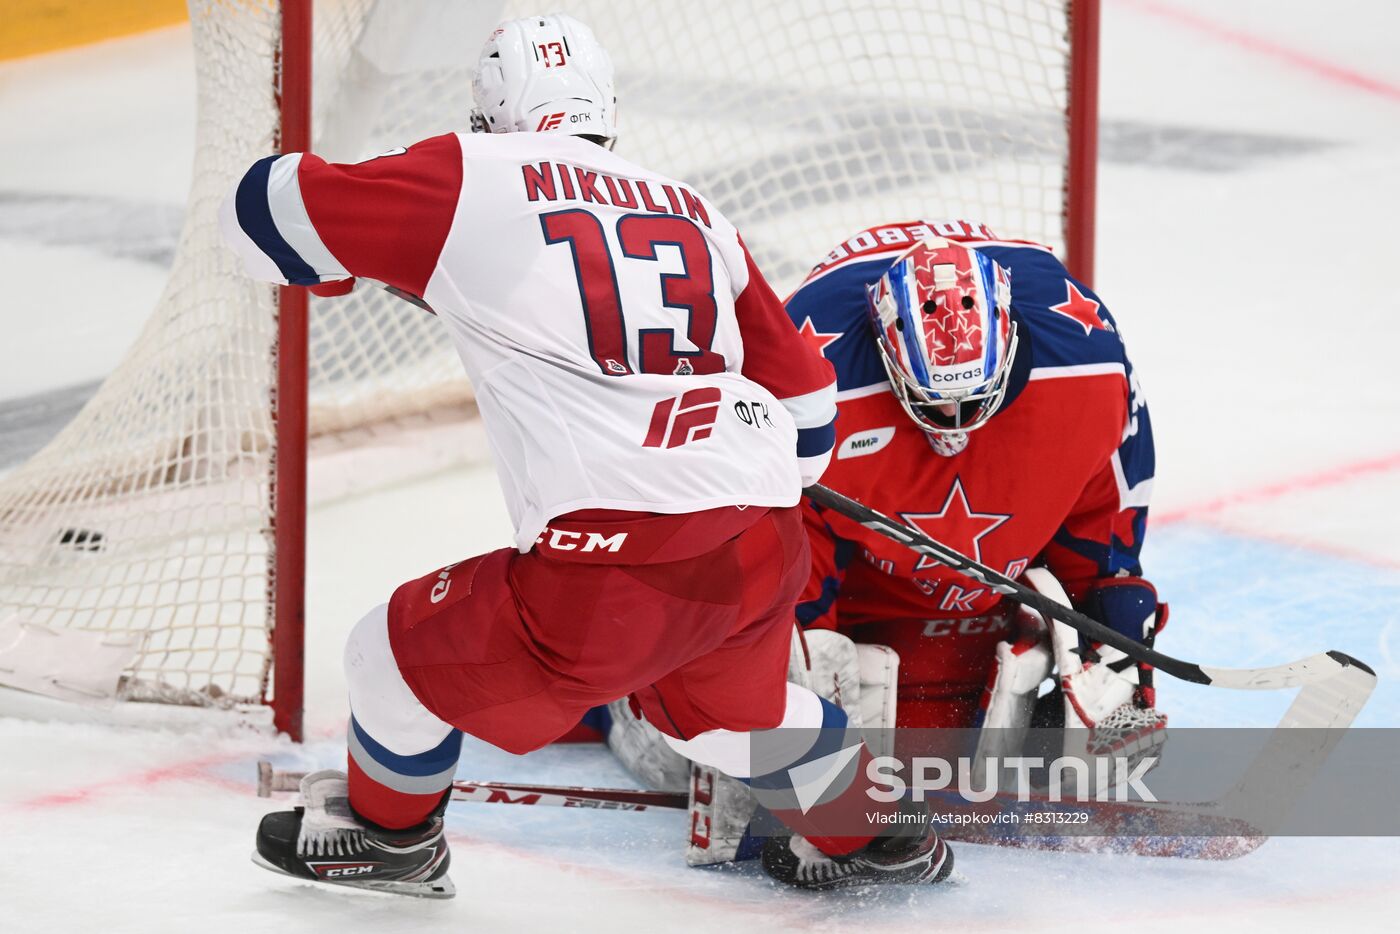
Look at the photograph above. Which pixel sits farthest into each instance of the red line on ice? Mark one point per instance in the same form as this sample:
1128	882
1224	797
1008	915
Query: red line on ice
1295	541
191	770
1315	481
1262	46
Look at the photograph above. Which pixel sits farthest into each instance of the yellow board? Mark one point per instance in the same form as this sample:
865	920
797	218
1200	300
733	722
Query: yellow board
31	26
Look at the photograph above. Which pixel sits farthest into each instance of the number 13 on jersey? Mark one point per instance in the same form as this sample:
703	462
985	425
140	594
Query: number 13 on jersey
691	290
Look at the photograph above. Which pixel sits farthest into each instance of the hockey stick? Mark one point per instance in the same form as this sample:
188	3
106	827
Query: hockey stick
1231	844
1334	685
564	796
1355	679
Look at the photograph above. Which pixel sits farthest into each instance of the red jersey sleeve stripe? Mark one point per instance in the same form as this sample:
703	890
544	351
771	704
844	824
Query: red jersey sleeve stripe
386	218
777	358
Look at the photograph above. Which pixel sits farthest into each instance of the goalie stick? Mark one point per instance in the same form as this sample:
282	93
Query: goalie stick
1359	678
1333	686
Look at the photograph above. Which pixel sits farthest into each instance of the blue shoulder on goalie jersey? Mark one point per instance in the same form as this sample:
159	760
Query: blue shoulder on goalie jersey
1067	323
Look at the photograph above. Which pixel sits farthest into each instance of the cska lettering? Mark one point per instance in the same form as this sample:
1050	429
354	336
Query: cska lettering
548	181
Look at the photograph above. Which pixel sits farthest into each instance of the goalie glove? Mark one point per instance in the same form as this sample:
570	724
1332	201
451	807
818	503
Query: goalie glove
1103	701
1127	605
1107	698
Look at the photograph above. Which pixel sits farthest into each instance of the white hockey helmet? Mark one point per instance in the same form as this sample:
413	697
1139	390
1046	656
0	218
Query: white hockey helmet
545	74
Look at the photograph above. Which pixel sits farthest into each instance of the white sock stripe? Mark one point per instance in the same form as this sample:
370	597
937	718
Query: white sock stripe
730	752
407	784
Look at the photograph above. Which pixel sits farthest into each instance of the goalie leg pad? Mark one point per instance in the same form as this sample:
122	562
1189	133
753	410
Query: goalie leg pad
721	806
862	679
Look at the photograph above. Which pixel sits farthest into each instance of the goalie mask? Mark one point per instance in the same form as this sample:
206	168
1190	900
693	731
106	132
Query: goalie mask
942	318
545	74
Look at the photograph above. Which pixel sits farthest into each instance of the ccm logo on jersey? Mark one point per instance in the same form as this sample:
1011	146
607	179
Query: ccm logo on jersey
972	626
865	442
567	540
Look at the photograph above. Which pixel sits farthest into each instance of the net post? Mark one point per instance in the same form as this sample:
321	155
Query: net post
1081	176
290	403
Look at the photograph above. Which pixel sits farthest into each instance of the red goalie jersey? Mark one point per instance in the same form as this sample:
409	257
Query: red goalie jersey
1060	474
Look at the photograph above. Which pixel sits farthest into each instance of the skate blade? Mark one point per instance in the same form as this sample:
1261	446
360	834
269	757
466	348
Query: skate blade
955	878
439	888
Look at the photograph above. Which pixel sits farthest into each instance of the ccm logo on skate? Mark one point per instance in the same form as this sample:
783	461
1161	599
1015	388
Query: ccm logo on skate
682	419
865	442
443	585
565	540
343	870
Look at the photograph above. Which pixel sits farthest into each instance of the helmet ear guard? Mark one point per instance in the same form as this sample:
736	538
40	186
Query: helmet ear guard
942	319
545	74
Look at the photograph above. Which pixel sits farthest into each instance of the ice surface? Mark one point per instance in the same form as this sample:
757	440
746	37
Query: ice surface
1247	202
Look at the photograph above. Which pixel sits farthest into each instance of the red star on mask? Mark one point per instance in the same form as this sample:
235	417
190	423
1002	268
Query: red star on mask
816	339
955	525
1081	309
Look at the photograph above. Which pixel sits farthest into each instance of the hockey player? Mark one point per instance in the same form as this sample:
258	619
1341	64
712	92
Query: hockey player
653	416
985	398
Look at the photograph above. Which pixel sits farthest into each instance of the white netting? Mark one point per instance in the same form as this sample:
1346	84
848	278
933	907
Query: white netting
803	120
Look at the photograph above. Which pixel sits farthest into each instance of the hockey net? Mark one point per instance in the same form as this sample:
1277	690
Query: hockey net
138	549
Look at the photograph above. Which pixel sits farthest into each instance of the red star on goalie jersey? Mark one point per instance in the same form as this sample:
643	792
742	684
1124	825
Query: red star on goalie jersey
816	339
955	525
1080	308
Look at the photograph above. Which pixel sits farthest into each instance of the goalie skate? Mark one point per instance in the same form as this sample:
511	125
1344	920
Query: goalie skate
324	841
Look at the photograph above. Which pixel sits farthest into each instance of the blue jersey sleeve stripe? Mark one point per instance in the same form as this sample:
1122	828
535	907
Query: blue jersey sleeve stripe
812	442
294	224
255	217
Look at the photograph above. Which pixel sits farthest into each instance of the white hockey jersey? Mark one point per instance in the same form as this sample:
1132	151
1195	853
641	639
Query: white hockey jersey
625	351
